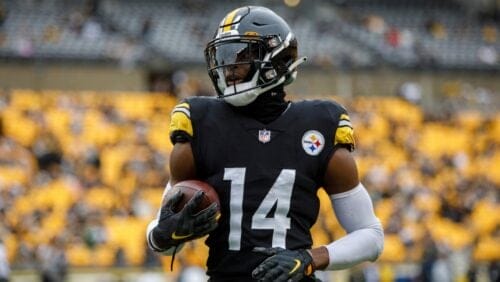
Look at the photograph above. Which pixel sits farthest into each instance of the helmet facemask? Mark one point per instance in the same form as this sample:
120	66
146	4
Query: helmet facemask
243	67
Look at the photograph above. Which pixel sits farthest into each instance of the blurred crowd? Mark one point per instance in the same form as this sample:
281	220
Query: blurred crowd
82	173
435	184
346	34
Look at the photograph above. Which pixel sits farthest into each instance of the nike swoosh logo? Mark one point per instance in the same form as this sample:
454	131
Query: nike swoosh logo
297	265
180	237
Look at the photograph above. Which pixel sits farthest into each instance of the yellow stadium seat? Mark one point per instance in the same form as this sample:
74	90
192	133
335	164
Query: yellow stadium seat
195	253
10	175
485	217
487	249
11	246
26	99
112	160
492	167
53	225
128	233
384	209
387	273
96	130
454	235
79	255
19	127
158	136
134	105
394	250
428	202
470	120
494	131
102	198
58	121
437	139
104	255
153	196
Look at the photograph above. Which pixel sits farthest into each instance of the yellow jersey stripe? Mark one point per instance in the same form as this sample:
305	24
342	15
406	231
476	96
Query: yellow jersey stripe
179	120
183	108
182	105
344	116
344	135
345	123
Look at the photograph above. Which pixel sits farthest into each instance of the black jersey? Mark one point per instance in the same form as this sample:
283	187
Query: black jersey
266	175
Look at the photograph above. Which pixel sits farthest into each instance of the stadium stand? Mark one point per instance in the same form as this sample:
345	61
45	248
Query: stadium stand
405	31
351	34
82	172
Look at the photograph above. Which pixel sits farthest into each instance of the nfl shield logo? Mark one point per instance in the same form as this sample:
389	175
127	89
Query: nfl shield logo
264	136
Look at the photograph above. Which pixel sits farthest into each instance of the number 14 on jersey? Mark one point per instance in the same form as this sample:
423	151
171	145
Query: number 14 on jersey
280	195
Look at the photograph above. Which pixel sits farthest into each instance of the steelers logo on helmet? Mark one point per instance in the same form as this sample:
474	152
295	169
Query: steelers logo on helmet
253	51
313	142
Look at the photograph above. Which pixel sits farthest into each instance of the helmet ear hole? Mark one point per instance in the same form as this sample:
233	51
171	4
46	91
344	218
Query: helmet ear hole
270	74
285	58
280	63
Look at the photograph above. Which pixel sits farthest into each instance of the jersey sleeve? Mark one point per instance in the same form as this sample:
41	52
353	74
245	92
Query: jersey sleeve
344	134
181	127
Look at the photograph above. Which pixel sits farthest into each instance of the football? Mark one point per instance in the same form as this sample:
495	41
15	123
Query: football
189	188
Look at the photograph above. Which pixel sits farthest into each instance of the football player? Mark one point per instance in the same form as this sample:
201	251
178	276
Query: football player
266	158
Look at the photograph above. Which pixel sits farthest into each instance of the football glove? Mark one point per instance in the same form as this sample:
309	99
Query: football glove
186	225
283	265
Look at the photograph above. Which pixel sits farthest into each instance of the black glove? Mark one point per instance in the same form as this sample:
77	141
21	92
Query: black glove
185	225
283	265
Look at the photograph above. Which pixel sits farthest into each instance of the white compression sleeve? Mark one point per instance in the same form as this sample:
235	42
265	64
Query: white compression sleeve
154	223
365	238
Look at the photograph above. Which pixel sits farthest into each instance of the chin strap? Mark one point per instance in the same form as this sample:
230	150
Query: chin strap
246	97
173	259
241	97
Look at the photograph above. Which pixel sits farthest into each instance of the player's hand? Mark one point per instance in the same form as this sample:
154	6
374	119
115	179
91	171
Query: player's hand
283	265
185	225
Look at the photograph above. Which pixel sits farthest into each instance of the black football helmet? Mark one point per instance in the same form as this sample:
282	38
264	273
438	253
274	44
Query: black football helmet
253	51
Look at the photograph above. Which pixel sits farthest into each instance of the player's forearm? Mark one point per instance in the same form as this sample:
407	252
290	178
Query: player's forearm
320	257
356	247
365	238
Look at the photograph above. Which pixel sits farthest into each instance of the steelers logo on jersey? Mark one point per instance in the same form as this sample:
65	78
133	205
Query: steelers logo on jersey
313	142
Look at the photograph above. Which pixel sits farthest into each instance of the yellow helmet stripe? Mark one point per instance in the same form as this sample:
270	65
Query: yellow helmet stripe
229	20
